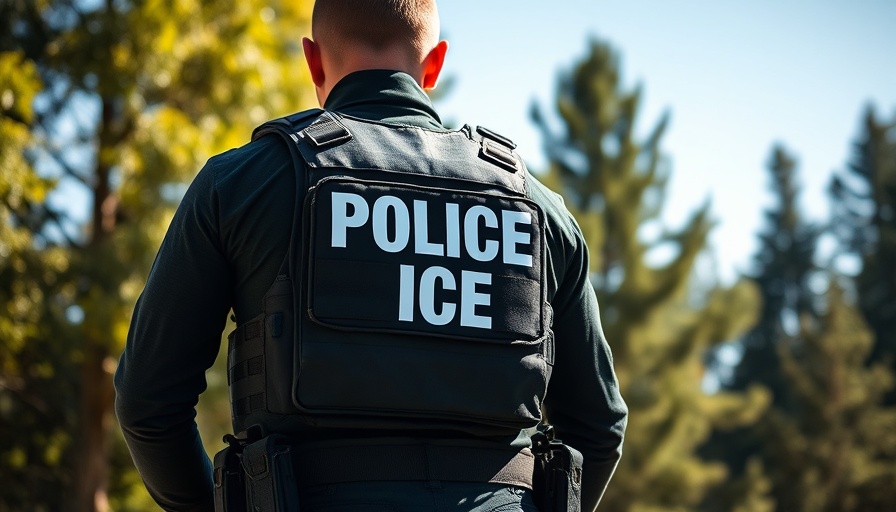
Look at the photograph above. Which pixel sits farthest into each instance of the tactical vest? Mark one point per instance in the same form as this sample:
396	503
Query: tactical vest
413	293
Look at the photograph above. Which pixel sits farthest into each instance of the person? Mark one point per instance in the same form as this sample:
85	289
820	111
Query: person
426	299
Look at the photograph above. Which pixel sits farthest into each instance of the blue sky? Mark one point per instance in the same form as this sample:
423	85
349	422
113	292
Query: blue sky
737	76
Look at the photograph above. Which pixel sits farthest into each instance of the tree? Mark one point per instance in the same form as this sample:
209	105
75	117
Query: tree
658	323
34	376
129	98
832	449
825	444
864	220
783	268
784	265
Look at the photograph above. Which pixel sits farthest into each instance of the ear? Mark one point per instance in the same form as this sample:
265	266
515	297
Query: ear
432	65
312	57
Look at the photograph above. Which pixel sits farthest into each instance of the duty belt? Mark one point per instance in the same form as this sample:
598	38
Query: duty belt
418	462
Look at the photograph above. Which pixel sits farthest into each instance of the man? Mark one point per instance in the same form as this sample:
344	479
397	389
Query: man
428	281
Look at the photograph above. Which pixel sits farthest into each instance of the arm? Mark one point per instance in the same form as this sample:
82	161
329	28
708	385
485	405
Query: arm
583	402
173	339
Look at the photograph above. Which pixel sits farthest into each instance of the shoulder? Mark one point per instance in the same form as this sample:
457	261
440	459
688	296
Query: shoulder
266	155
249	160
557	215
244	175
240	189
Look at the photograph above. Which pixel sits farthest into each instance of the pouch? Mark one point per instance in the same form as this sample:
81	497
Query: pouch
270	479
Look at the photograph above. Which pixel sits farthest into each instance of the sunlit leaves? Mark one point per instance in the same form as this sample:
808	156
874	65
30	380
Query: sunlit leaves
19	82
117	104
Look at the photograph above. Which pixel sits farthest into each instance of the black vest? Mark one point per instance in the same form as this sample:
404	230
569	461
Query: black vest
413	294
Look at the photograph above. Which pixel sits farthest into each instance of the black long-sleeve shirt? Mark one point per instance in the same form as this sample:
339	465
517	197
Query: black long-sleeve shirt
223	250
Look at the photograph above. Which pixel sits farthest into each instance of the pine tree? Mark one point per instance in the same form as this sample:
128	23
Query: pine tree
658	325
783	267
832	449
864	219
827	443
128	99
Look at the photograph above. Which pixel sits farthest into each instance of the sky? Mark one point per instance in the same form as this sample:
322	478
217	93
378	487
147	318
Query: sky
737	77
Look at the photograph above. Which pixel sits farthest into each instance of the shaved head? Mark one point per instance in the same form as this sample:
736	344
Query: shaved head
354	35
376	25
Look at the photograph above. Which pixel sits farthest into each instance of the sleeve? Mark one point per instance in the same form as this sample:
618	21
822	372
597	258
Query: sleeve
174	337
583	402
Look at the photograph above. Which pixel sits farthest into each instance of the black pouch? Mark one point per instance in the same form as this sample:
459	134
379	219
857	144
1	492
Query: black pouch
230	485
557	481
270	479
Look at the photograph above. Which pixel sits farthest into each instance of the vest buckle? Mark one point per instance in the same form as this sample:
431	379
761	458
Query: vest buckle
498	154
326	130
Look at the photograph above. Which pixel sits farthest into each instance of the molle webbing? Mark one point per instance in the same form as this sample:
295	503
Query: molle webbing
245	367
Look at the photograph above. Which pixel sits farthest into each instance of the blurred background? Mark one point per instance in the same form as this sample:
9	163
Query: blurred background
732	164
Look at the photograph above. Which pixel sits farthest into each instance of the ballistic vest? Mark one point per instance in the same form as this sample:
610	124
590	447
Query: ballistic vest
413	293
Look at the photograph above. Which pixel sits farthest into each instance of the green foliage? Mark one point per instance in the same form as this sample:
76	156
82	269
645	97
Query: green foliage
752	490
32	297
827	444
783	267
834	450
118	102
864	220
659	325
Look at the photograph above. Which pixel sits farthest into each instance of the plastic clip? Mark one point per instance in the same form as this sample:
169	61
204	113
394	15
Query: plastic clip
325	131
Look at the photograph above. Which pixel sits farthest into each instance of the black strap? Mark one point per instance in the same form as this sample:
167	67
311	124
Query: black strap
286	123
245	367
245	372
326	130
418	462
290	129
497	137
498	149
499	155
246	344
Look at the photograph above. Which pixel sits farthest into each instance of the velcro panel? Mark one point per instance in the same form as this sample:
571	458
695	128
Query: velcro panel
424	377
441	262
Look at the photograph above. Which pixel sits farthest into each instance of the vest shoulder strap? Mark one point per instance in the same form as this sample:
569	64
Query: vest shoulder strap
322	129
334	140
287	124
288	128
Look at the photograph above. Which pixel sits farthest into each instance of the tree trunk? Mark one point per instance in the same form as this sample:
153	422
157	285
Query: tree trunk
97	393
96	404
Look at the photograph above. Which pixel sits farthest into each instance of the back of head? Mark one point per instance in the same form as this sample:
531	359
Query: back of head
376	25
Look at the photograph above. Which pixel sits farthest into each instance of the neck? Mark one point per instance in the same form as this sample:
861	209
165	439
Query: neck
361	58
